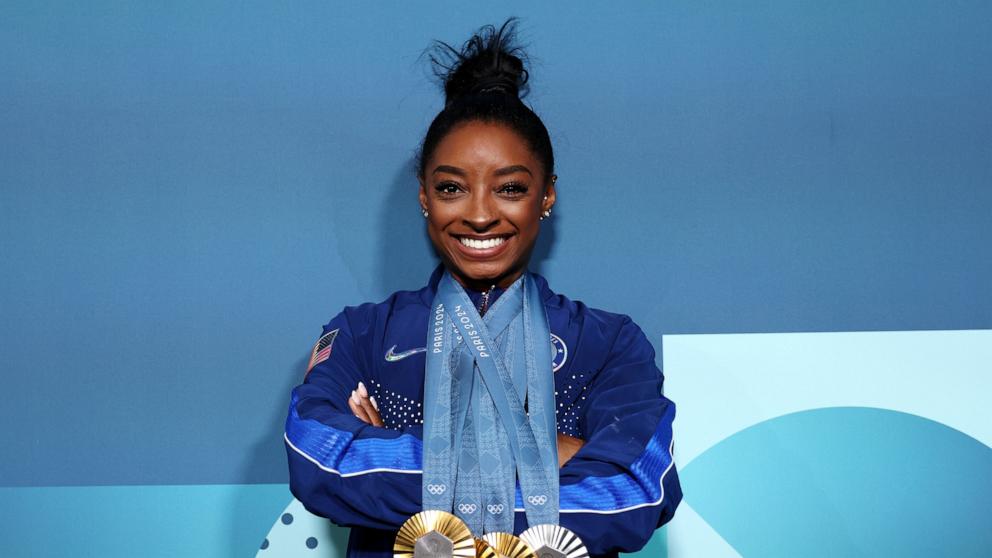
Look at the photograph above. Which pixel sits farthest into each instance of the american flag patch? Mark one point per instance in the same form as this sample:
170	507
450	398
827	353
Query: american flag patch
322	349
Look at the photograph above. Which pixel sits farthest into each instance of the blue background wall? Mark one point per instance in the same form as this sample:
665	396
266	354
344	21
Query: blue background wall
188	191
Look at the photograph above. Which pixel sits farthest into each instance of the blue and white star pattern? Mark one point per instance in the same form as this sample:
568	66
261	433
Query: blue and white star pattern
570	400
396	410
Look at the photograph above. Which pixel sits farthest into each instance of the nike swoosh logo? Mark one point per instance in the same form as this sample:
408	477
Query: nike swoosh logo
393	357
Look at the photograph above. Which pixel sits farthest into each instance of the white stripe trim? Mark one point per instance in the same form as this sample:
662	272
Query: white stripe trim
660	499
346	475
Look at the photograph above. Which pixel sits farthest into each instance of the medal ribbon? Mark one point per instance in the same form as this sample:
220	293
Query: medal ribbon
489	409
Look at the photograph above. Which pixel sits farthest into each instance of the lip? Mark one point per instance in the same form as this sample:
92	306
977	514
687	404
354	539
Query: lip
483	253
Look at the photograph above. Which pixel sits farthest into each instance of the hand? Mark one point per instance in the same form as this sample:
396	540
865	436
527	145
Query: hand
567	448
364	406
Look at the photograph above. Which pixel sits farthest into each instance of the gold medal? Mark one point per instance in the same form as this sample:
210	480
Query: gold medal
483	550
508	546
553	541
433	534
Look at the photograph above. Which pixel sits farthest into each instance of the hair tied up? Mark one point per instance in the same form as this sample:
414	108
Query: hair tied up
495	83
488	63
484	81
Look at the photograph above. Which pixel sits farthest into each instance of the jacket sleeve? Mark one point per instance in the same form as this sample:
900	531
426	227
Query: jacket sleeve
622	483
352	473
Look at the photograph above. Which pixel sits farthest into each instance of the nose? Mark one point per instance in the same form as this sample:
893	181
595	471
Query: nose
481	213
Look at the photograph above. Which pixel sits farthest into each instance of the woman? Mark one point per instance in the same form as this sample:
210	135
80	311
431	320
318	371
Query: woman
451	362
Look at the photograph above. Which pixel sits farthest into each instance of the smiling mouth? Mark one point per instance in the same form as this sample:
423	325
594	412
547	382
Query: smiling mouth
482	243
482	247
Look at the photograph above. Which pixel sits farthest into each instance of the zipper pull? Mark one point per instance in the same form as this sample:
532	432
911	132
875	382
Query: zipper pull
484	305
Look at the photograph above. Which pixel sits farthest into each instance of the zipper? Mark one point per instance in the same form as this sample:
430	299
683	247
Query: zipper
484	303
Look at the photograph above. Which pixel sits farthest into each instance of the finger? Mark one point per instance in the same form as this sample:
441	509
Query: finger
368	405
356	407
357	411
375	408
376	419
372	413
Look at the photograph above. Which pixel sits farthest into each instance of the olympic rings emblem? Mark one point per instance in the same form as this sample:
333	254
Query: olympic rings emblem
495	509
467	508
436	489
538	500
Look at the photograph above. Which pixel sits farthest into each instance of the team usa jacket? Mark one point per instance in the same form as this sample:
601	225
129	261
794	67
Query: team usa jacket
618	488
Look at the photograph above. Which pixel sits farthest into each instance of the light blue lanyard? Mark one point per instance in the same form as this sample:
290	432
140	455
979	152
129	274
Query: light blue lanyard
478	437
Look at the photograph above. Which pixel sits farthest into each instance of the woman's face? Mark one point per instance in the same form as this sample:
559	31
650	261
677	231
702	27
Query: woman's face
484	192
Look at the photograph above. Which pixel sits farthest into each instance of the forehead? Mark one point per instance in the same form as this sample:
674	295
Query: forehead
479	146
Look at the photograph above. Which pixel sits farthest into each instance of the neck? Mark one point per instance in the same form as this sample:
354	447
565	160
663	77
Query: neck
485	284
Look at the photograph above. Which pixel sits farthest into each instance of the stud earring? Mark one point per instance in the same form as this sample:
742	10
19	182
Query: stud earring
546	214
424	211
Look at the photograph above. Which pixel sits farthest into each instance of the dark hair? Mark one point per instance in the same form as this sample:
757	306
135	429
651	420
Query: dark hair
484	81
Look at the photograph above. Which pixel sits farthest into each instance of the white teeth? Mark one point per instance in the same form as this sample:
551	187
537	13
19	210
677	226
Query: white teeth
482	244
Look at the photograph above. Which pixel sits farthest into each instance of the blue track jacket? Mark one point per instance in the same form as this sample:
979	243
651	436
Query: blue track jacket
614	493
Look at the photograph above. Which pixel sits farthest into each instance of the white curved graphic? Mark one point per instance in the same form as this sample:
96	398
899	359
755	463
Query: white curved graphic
723	384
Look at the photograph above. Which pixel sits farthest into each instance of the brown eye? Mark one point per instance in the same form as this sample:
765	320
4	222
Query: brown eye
513	189
447	188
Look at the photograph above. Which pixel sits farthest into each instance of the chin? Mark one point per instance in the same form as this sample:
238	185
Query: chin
479	272
482	273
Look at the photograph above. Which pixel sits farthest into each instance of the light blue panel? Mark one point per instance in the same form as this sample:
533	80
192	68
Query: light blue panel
218	521
657	547
690	535
758	454
846	482
725	383
297	533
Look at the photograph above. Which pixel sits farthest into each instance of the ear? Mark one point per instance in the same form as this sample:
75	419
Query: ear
550	194
422	195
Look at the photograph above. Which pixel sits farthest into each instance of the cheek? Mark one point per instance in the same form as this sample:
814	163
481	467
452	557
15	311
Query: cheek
528	229
437	224
526	218
436	229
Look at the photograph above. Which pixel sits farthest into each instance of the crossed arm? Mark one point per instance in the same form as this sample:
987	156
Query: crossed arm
364	407
617	484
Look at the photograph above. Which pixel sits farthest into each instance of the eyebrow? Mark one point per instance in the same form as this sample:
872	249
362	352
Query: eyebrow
503	171
512	169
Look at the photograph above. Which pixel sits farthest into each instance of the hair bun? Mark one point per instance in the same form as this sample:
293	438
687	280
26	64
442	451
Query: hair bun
488	63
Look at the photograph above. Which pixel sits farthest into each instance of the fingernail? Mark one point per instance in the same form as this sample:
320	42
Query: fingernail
374	404
362	391
354	398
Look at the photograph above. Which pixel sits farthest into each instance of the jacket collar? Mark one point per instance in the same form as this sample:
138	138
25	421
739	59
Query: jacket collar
428	292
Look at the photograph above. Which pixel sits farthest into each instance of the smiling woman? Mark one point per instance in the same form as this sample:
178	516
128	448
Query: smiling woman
484	202
484	394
